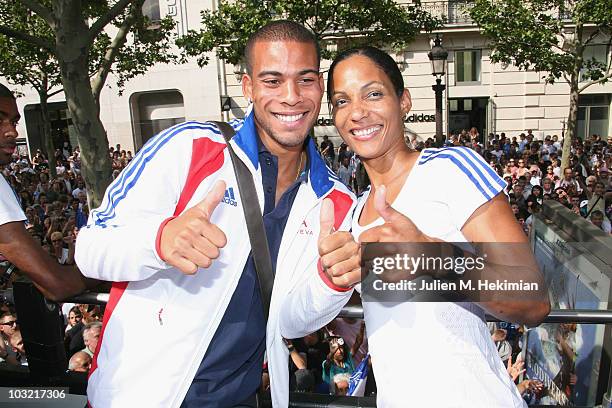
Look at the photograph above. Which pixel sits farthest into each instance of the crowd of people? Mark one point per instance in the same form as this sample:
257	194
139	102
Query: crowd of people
530	167
56	208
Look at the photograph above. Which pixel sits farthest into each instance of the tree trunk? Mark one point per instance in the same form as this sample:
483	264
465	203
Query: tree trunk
93	142
46	132
72	52
572	119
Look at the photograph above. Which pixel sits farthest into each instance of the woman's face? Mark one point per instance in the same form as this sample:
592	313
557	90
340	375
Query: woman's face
73	318
366	109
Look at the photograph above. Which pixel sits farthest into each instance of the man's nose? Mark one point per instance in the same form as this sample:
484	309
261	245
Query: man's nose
292	94
9	130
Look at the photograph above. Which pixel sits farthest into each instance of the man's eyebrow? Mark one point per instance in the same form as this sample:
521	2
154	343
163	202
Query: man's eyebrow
309	71
6	115
279	74
269	73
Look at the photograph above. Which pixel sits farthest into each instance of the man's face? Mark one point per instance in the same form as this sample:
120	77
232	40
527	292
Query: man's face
91	338
597	220
17	342
342	388
286	89
9	116
518	189
8	325
568	174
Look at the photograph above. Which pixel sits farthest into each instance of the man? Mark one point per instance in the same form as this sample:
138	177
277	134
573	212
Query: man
328	151
80	362
568	180
8	327
180	258
597	219
55	281
91	335
16	342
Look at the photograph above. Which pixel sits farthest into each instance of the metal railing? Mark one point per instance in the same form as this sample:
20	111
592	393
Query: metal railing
452	12
586	316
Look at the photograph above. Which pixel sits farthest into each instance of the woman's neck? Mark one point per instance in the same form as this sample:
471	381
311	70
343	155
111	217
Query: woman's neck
386	169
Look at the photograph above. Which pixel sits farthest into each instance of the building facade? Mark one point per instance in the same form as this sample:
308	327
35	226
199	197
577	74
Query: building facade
491	97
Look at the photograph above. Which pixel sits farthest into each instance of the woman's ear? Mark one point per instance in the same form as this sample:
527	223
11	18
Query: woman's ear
406	101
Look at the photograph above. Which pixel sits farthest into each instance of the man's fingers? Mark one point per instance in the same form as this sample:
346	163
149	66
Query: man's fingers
215	235
184	265
327	218
339	240
207	248
212	199
348	279
196	257
341	268
346	250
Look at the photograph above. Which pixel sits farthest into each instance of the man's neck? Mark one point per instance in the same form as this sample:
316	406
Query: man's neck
289	158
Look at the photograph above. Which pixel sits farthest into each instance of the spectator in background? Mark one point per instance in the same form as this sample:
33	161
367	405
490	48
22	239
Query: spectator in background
63	248
91	335
344	173
328	151
74	317
569	181
597	219
16	342
341	384
8	327
353	332
80	362
339	360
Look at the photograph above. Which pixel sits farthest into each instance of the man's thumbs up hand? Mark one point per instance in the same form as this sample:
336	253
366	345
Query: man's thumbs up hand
340	254
191	241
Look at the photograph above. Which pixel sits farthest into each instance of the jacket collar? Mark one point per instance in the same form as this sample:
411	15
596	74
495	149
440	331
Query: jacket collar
246	140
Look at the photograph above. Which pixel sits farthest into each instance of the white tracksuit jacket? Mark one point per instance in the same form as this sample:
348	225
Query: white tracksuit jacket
159	322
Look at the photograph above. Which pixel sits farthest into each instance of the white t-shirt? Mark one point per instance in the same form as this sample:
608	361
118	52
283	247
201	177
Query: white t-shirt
10	210
427	354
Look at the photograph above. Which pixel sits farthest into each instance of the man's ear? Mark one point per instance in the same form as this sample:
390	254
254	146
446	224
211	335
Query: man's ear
247	87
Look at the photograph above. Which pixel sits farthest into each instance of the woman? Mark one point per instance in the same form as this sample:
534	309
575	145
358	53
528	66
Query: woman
74	317
425	354
339	361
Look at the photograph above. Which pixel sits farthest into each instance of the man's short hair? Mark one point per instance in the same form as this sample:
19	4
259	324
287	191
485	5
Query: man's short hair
5	92
92	325
279	30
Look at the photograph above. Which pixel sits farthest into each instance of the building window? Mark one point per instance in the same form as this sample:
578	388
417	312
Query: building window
598	52
150	9
467	66
153	112
593	115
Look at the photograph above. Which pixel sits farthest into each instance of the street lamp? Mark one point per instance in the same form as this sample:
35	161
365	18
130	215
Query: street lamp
438	56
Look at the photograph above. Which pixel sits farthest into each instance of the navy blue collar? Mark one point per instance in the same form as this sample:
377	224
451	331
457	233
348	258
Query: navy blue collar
247	140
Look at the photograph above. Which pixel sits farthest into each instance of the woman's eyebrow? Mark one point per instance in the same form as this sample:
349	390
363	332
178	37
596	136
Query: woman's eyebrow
363	87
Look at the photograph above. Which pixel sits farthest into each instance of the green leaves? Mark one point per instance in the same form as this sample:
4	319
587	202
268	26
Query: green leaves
543	35
344	23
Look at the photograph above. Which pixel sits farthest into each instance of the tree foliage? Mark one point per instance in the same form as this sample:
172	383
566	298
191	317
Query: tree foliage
546	35
550	36
341	22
